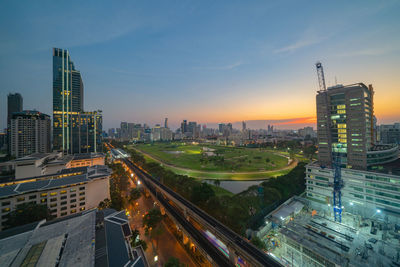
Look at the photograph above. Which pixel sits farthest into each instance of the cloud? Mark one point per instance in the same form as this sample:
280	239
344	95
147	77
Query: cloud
307	39
370	52
224	67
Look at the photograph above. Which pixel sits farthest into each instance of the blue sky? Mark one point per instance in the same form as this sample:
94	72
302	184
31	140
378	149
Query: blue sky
207	61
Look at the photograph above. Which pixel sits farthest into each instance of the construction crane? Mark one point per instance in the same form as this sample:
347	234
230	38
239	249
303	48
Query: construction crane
336	159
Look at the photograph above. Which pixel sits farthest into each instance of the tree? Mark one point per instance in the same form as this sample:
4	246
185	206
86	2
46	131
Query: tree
136	241
27	213
152	219
173	262
135	194
201	193
267	160
310	151
217	182
106	203
256	241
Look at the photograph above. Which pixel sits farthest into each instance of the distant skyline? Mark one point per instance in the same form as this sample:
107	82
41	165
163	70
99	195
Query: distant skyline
203	61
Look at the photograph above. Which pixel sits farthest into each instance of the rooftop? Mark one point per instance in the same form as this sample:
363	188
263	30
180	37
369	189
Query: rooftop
64	178
86	239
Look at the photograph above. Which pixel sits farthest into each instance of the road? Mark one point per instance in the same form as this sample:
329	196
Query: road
290	166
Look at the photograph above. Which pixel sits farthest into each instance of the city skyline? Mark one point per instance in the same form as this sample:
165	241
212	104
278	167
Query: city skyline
220	72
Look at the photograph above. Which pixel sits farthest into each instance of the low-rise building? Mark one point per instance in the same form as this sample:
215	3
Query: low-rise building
91	238
38	164
68	192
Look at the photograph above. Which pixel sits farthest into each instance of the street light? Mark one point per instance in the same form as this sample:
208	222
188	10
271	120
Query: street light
138	182
131	174
155	258
379	211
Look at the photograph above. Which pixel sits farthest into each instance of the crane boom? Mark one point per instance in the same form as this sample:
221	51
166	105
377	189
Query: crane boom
321	77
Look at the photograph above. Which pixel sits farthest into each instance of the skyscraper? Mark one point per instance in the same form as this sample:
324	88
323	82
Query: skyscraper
71	125
345	124
243	126
29	133
166	123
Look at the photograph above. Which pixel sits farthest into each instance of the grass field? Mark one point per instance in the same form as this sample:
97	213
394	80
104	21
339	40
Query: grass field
220	159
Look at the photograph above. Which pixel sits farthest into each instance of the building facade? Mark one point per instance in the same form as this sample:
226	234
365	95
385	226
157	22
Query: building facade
74	131
68	192
345	124
29	133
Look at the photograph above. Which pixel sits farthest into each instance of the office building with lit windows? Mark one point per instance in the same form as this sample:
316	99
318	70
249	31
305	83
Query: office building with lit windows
67	192
74	130
370	172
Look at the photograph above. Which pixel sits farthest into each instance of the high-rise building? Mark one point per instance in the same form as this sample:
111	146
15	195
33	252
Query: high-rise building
29	133
243	126
345	124
166	123
70	122
14	104
184	126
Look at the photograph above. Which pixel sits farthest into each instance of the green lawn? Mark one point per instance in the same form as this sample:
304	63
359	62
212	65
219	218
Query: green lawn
234	159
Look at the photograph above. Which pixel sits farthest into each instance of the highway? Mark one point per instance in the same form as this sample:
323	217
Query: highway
258	255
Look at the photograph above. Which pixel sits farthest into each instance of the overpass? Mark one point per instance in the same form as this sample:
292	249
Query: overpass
237	246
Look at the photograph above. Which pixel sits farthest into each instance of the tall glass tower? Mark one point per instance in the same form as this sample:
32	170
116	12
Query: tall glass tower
67	102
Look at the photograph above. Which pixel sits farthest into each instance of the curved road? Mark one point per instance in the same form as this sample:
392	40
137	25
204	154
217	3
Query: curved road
292	164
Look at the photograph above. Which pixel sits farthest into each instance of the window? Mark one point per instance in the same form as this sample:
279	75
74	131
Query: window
82	204
43	200
63	197
53	194
73	200
19	199
43	194
82	198
81	209
32	196
52	205
72	195
5	203
82	193
63	208
63	213
72	190
73	211
62	192
63	203
73	206
53	210
5	210
82	188
53	199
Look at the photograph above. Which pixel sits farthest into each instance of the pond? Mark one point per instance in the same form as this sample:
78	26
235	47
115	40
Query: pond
174	152
236	186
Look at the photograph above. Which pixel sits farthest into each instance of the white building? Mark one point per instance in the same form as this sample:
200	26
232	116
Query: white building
367	193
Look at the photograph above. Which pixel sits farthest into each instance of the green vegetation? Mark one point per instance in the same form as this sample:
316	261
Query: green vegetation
27	213
135	194
214	158
119	183
173	262
135	241
239	211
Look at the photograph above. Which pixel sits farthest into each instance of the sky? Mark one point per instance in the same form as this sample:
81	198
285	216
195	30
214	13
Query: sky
204	61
